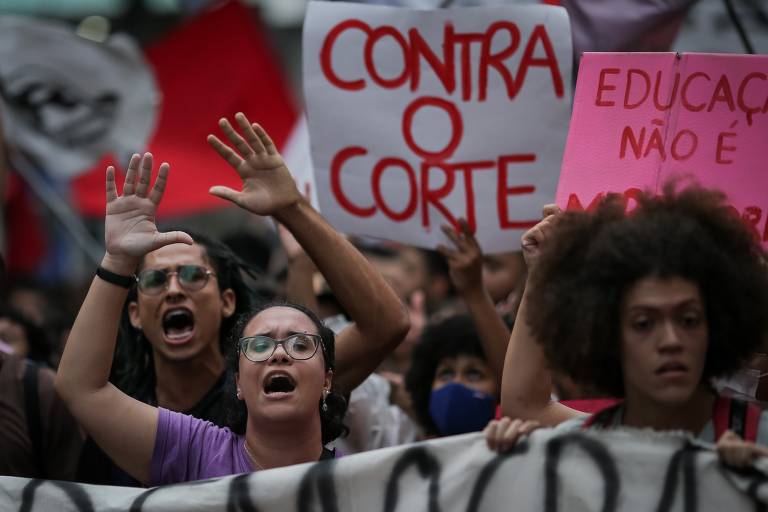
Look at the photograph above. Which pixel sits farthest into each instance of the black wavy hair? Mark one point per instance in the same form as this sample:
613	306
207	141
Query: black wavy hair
451	337
581	279
133	370
331	420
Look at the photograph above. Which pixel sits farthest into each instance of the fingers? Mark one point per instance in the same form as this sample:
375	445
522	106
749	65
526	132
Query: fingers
145	175
250	134
551	209
172	237
130	175
235	138
226	193
452	235
534	237
226	152
502	435
265	139
491	432
111	185
736	452
159	188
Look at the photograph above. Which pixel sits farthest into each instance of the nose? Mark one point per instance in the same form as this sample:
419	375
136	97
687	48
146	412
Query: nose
173	286
670	337
279	355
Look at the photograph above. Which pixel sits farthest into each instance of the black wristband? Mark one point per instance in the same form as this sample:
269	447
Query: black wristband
116	279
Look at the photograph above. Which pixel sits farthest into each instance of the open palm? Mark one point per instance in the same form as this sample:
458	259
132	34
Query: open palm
268	186
130	231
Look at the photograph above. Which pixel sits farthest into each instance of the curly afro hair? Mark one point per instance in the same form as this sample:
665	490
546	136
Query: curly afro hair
331	420
581	279
451	337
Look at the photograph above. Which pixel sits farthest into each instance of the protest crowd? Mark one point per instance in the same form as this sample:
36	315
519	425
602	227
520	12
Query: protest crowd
348	307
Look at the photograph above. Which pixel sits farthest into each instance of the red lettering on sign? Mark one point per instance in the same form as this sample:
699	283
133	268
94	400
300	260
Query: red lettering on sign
338	161
326	56
503	190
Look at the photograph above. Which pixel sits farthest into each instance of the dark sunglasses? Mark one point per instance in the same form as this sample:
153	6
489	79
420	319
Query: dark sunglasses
298	346
191	278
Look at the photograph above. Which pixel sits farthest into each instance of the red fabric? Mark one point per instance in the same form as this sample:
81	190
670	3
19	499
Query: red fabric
591	406
215	65
26	240
753	422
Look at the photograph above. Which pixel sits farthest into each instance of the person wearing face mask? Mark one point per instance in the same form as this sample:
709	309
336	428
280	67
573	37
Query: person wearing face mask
650	307
285	367
453	387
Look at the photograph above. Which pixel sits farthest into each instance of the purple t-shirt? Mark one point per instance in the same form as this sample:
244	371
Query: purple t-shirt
187	448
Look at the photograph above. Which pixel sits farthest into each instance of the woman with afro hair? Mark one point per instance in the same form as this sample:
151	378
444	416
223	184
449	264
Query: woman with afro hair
648	306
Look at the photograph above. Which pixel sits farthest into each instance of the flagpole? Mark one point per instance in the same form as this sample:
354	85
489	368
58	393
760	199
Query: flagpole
60	209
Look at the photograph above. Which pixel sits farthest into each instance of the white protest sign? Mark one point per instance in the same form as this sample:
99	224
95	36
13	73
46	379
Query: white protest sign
581	470
420	117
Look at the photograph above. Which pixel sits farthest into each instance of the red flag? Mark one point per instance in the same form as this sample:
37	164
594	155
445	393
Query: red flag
216	64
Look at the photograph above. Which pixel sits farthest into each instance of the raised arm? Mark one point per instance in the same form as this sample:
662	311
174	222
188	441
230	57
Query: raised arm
380	319
466	270
298	285
527	382
124	428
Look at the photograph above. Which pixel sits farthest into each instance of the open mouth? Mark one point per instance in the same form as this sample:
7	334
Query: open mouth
672	368
178	325
279	383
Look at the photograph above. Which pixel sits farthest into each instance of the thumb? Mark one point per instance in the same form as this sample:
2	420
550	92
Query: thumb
225	193
172	237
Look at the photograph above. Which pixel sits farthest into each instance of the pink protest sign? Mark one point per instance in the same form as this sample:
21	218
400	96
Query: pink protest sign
640	119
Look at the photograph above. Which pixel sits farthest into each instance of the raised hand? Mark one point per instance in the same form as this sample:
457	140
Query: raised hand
466	262
268	186
130	231
536	238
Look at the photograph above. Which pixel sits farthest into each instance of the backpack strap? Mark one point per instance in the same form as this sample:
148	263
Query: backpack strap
32	407
602	418
742	418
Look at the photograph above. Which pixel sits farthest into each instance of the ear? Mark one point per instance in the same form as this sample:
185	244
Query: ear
228	302
133	314
328	382
237	386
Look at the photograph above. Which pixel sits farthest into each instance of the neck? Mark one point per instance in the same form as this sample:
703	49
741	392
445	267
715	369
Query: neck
182	384
692	416
275	444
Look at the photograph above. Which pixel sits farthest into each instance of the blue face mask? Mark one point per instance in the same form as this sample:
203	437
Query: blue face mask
457	409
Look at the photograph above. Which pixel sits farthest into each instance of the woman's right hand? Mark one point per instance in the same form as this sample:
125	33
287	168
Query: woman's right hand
535	239
502	435
130	231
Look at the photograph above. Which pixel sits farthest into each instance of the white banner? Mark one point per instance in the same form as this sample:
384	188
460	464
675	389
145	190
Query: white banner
583	470
419	117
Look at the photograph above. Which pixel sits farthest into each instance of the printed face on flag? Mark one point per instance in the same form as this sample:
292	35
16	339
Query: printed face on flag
418	118
67	101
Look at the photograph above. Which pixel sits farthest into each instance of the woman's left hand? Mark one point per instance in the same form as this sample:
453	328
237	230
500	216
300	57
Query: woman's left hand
738	453
268	186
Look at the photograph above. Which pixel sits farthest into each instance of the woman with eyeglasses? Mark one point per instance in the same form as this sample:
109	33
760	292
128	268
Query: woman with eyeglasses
284	356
